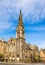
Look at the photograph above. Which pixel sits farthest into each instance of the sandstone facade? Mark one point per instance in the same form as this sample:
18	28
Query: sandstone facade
17	48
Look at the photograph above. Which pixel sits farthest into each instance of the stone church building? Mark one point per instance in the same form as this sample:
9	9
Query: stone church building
17	48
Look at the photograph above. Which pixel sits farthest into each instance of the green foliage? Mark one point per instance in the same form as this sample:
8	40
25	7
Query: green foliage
27	61
1	57
36	58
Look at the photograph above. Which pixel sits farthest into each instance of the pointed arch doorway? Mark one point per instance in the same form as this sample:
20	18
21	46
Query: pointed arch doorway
17	57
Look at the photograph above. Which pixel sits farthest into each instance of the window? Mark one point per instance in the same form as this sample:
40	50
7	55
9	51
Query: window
18	32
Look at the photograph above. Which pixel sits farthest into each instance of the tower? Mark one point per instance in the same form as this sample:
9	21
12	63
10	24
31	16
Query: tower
19	37
20	27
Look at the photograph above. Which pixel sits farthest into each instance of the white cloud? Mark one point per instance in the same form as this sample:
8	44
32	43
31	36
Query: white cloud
36	28
34	9
4	26
41	45
31	9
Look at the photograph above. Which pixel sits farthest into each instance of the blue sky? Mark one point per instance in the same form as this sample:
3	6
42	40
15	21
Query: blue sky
33	12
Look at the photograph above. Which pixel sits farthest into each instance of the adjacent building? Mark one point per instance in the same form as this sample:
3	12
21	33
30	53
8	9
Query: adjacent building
42	55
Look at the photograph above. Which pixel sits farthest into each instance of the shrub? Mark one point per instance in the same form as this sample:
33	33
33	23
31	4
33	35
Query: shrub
1	57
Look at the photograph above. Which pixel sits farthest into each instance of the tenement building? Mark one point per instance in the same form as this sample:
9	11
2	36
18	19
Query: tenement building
17	48
42	55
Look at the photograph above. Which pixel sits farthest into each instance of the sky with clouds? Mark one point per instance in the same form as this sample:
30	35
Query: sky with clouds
33	13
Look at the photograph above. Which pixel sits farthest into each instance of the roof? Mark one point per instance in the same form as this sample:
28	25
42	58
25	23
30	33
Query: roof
0	40
43	51
12	39
26	46
5	41
31	46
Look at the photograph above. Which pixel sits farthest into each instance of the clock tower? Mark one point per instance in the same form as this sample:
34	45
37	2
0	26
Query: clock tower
20	40
20	27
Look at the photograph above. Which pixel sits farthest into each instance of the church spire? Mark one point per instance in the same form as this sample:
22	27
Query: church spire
20	27
20	23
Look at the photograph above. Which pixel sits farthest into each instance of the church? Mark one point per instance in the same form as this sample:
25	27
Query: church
17	48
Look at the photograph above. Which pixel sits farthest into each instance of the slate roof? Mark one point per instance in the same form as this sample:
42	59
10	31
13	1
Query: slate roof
43	51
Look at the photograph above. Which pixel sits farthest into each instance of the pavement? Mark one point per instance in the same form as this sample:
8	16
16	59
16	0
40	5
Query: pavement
7	63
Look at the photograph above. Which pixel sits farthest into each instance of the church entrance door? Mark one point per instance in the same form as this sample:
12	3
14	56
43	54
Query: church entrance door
17	57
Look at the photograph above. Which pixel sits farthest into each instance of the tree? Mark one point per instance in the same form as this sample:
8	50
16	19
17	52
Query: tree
37	58
1	57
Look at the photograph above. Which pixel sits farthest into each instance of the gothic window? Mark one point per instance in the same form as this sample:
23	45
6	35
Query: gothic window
22	32
11	48
17	55
18	32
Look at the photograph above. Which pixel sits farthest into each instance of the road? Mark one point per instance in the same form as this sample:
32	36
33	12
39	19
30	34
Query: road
21	63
